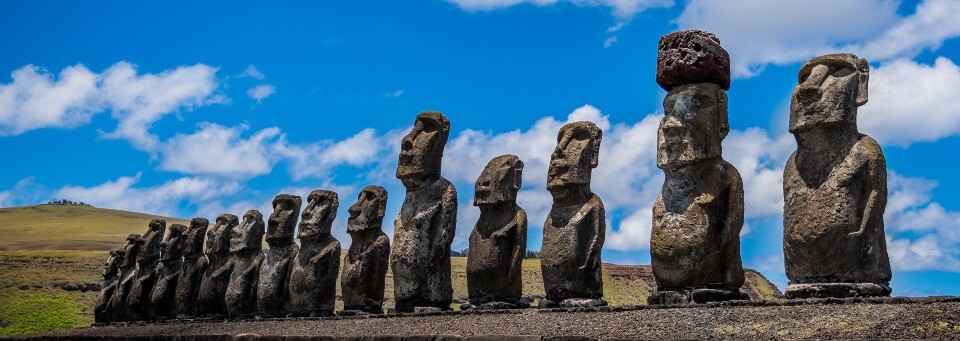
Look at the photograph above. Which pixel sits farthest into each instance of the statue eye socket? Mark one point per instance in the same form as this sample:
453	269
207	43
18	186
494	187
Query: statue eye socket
842	72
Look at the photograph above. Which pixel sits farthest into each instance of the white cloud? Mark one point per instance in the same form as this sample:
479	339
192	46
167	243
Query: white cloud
319	158
623	9
783	32
260	92
24	192
760	159
396	94
912	102
252	72
607	43
34	99
220	151
163	199
137	101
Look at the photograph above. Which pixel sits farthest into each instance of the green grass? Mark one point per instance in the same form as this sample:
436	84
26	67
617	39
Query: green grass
64	227
37	314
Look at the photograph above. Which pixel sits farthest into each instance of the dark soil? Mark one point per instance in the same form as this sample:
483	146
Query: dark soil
883	318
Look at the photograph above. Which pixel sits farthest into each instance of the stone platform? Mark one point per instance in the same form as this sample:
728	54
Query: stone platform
859	318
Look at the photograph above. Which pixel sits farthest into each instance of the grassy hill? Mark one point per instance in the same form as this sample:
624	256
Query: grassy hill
67	227
54	254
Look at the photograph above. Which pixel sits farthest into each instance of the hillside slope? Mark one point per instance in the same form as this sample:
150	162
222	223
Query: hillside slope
66	227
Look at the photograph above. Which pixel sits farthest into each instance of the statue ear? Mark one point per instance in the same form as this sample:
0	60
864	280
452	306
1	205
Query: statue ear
863	68
517	174
597	135
723	120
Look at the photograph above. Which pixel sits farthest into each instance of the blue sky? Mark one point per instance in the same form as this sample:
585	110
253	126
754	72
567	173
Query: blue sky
195	109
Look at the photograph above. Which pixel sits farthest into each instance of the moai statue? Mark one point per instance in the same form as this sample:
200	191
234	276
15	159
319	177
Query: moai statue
313	276
273	291
498	242
427	222
116	308
192	269
246	257
138	301
365	267
834	187
695	239
164	292
111	275
213	285
574	232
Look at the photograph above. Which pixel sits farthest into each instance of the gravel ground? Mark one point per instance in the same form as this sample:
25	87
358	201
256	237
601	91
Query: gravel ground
887	318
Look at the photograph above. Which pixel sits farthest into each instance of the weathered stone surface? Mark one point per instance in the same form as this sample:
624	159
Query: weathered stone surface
364	270
313	275
574	232
246	257
425	227
695	240
273	293
192	269
498	242
111	276
138	301
213	285
163	295
834	187
116	308
688	57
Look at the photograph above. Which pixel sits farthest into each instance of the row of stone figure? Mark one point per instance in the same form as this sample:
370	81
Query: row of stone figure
834	198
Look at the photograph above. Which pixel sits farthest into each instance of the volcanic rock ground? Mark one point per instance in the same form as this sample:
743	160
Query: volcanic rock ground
886	318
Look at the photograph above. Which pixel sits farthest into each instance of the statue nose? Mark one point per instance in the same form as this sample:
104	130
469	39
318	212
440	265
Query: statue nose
671	126
808	94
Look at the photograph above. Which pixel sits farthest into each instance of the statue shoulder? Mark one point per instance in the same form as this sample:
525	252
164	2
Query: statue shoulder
731	175
868	148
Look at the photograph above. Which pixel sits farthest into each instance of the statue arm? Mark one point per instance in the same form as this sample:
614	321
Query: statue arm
520	246
876	185
732	225
448	222
599	225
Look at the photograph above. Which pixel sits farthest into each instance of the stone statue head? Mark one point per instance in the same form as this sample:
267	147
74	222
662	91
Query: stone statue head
318	216
218	237
193	245
150	251
367	212
499	182
829	90
577	153
422	149
694	124
131	250
112	266
172	245
283	220
249	234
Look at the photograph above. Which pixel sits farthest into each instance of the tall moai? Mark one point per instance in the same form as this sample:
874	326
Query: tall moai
575	229
117	305
834	187
111	276
695	239
213	285
163	295
364	270
425	227
273	288
246	257
138	301
192	269
498	242
313	274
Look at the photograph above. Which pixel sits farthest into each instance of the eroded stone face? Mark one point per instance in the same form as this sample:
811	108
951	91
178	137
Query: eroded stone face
498	242
421	150
688	57
192	270
575	230
213	285
163	295
116	308
246	258
313	276
424	230
576	154
693	125
111	275
830	89
138	300
364	270
835	187
273	287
